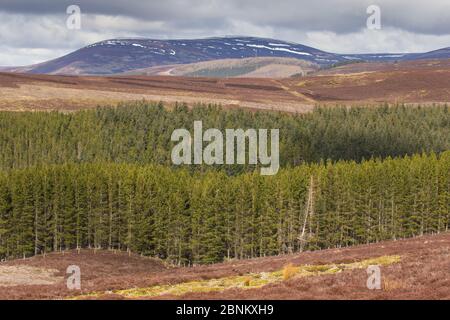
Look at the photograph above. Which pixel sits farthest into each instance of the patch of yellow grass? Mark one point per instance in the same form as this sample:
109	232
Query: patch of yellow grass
289	271
248	281
391	285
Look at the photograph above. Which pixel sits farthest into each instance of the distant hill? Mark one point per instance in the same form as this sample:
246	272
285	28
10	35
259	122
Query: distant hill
436	54
124	55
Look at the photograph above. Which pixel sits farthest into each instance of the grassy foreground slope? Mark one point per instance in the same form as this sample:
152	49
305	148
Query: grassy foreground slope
419	272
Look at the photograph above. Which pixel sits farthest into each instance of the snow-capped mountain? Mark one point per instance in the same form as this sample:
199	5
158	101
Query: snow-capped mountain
121	55
124	55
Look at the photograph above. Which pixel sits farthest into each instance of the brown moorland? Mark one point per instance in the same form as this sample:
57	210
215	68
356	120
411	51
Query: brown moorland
423	272
424	82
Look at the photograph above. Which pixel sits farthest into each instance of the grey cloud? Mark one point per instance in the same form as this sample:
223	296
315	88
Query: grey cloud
340	16
333	25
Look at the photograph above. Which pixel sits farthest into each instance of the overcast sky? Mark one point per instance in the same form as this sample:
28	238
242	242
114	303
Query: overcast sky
34	31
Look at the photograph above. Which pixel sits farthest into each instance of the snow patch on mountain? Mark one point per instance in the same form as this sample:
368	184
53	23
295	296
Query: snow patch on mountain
277	49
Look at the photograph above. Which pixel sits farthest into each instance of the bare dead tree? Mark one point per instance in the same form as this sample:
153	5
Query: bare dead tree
309	212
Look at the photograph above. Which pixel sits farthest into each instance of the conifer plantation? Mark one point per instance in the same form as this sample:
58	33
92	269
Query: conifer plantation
140	133
103	179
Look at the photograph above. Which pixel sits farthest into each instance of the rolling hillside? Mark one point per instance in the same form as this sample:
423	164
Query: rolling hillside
410	82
